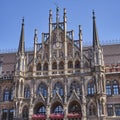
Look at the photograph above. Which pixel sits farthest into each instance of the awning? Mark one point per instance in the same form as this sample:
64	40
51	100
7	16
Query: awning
38	116
56	116
74	115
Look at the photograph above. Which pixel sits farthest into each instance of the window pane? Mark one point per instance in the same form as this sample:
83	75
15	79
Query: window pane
117	110
110	110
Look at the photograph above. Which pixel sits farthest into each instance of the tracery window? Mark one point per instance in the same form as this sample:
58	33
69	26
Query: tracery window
112	88
58	109
6	94
61	65
75	86
110	110
74	108
45	67
54	66
70	64
25	113
27	92
90	88
77	64
41	110
58	88
117	110
38	67
42	89
92	109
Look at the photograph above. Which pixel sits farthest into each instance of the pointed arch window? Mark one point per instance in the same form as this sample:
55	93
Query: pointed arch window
6	94
70	64
61	65
38	66
90	88
41	110
92	109
25	113
58	109
45	67
42	89
27	92
54	66
77	64
58	88
75	86
74	108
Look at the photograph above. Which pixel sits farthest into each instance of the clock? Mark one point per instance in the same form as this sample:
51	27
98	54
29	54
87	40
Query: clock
57	45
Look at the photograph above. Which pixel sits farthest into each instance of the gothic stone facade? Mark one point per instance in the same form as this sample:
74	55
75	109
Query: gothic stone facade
60	79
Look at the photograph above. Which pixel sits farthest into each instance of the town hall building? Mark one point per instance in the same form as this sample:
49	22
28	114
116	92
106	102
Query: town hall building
60	79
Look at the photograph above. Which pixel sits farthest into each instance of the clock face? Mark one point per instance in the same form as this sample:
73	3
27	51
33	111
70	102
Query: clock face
57	45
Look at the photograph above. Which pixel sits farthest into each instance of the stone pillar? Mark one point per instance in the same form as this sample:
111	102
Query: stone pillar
50	42
65	90
83	107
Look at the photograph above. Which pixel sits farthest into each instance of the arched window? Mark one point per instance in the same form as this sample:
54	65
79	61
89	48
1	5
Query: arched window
45	67
38	67
54	66
4	115
42	89
61	65
92	109
30	69
108	88
115	87
74	107
75	86
77	64
11	94
11	114
90	88
6	94
58	88
27	92
70	64
25	113
58	109
41	110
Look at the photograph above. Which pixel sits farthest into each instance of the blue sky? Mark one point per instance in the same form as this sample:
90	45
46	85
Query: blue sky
36	13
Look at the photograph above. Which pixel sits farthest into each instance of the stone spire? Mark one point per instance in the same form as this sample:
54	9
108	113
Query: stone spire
21	48
95	34
57	15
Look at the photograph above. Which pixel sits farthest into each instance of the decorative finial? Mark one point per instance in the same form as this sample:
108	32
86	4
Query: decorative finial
23	20
36	31
50	12
64	11
93	14
80	28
